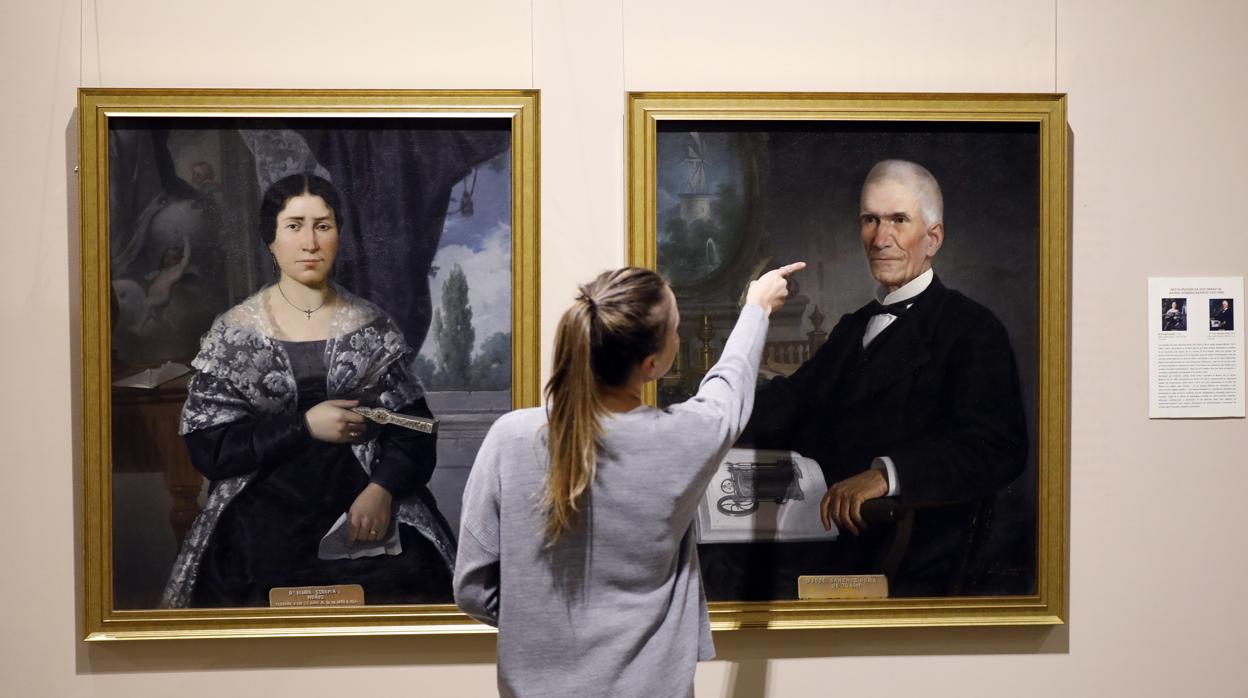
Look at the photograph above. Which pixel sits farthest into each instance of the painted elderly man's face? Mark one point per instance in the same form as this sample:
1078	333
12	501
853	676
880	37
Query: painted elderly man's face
898	242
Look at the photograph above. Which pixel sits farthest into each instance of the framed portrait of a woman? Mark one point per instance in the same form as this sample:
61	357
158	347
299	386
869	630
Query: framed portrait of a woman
301	311
905	463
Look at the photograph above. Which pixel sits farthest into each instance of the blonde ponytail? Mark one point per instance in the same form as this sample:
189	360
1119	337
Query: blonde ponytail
574	408
617	320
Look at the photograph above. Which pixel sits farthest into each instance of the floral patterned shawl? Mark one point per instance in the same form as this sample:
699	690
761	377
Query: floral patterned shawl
243	372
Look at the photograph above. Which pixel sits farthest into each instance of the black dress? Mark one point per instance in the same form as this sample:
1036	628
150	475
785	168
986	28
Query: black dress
269	534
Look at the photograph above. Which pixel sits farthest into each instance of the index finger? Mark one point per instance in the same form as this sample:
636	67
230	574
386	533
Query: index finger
790	268
343	403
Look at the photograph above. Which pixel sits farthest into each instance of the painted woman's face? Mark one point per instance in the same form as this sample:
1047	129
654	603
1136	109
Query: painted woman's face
306	240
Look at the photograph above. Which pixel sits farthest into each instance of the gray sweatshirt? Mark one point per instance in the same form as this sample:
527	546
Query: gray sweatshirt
615	607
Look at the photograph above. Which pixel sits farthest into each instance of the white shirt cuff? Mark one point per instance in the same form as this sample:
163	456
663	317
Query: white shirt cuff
885	464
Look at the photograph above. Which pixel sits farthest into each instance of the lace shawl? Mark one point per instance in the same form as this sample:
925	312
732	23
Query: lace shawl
244	373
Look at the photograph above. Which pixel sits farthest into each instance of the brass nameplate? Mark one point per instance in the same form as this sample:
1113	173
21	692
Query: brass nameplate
842	586
328	595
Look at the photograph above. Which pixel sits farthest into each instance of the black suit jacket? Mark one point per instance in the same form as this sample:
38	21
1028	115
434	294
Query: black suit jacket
1225	318
937	391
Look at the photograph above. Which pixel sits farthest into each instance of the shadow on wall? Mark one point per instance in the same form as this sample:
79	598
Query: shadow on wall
747	679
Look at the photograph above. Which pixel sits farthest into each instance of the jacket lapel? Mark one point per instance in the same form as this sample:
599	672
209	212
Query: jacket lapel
901	349
843	354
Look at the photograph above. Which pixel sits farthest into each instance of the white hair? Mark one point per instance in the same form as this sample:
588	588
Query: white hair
920	181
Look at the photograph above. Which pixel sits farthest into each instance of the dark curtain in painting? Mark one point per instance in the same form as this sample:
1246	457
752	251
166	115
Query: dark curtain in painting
396	183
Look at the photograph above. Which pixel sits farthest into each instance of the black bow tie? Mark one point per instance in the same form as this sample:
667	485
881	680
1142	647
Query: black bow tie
898	309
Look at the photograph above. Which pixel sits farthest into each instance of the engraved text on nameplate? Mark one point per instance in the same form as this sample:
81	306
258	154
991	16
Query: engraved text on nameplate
842	586
327	595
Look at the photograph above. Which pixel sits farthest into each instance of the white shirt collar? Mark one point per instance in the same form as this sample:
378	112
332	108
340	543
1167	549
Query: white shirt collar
912	288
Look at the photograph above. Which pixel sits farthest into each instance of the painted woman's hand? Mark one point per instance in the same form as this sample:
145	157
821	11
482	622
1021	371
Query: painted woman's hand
369	515
334	422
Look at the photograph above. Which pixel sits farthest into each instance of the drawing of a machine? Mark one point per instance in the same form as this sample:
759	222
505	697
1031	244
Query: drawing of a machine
749	483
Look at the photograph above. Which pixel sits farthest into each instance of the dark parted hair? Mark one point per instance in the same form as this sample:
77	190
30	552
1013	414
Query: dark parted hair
287	188
616	321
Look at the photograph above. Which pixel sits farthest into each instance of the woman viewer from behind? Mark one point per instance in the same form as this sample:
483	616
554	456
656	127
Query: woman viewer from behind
303	490
577	534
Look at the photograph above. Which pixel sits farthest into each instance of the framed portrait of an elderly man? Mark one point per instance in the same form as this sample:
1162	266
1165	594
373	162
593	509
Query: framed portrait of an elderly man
905	461
301	311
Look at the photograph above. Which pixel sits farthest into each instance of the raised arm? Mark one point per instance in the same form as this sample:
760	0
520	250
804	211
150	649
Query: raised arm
728	388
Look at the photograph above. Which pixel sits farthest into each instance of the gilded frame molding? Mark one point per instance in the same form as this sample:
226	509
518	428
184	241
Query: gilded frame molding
646	110
95	108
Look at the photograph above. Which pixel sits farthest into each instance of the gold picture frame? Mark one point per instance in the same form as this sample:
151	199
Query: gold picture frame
670	155
509	117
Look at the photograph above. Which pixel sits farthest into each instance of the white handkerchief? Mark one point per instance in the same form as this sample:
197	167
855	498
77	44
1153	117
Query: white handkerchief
334	544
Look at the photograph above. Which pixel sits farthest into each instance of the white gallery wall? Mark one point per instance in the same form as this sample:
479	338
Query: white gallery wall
1158	553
